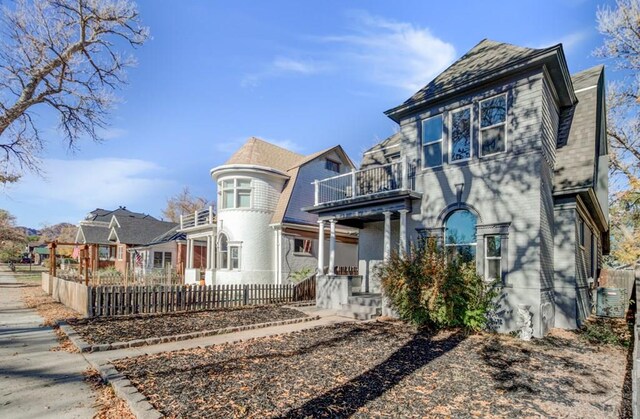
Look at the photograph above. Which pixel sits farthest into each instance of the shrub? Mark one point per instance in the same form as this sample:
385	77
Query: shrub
602	331
301	275
425	289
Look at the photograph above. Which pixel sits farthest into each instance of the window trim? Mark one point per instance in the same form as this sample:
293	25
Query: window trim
581	231
481	128
120	252
441	141
450	134
225	255
235	188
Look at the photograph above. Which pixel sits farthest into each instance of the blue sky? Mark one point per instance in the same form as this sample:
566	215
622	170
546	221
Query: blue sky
304	75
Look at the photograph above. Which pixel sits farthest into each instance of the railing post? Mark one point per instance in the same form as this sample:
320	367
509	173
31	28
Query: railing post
181	223
405	173
317	192
195	218
210	214
353	183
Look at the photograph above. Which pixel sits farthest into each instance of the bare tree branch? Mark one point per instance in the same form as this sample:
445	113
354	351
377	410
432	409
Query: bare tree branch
62	54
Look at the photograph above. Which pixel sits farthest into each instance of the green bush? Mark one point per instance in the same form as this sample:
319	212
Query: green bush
425	289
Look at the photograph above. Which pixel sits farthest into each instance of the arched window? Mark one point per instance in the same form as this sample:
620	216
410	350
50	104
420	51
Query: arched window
223	252
229	254
460	235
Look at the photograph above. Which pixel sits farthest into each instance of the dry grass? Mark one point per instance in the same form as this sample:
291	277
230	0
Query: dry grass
108	405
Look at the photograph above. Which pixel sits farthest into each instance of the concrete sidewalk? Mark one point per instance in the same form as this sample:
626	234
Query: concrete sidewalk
34	381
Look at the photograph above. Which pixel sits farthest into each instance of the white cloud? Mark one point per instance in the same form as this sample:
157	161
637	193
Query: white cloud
74	187
283	66
392	53
569	41
378	50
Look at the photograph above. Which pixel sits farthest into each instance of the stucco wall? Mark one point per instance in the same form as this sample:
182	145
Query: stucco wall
346	255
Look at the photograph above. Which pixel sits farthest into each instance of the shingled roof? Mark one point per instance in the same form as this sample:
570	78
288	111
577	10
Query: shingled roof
381	152
93	233
579	133
486	57
100	214
261	153
131	230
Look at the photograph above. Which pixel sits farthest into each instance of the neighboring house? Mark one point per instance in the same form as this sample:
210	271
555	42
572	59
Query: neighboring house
260	234
502	158
130	232
168	250
100	230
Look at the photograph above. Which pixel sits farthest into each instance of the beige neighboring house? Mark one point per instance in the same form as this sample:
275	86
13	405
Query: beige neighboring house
259	233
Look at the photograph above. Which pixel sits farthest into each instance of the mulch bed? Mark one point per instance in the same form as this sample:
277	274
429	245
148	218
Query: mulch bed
122	329
383	369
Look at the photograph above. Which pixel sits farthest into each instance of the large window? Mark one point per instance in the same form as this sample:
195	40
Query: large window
235	193
493	258
493	125
460	236
161	259
460	148
228	254
432	142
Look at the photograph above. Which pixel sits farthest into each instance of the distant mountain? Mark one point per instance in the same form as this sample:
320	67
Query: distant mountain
28	231
63	232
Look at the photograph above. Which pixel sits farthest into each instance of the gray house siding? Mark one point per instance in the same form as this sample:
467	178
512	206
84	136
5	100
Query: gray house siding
512	188
565	217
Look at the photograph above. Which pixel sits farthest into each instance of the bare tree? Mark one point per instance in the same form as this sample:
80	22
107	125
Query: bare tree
184	203
62	54
620	27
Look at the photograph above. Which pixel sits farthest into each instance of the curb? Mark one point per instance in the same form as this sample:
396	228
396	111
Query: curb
124	389
84	346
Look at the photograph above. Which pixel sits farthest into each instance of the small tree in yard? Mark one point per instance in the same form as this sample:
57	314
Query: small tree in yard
62	55
425	289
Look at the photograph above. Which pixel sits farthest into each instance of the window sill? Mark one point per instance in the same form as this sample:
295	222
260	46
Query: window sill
302	254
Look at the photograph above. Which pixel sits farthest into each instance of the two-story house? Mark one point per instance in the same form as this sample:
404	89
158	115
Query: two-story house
259	234
502	158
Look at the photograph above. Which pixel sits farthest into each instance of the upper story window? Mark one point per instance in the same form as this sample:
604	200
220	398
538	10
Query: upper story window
235	193
432	142
332	166
493	125
302	246
460	147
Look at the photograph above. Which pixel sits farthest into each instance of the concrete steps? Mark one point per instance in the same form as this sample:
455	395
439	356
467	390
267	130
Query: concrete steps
362	307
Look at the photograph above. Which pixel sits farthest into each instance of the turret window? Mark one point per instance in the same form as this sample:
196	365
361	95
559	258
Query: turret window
235	193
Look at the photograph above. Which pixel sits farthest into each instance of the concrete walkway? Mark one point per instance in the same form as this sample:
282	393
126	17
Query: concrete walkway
35	382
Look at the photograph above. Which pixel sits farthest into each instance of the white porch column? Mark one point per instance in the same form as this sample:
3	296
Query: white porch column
403	232
332	247
208	253
387	235
188	258
321	247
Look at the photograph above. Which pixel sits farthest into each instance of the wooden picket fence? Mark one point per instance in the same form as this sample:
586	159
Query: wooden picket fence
105	300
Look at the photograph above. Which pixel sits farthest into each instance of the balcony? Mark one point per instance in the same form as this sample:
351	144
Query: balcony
380	180
200	218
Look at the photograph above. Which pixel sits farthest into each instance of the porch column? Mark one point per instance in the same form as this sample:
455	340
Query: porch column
403	231
321	247
332	247
189	253
387	235
208	253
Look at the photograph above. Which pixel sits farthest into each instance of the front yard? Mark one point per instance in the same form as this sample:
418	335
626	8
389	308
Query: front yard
121	329
385	369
